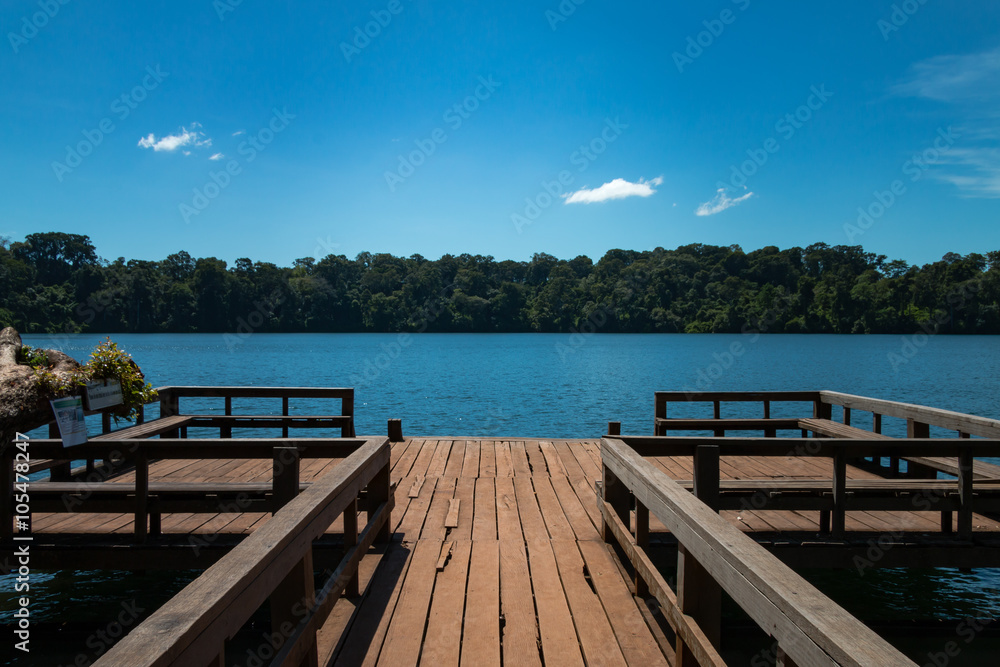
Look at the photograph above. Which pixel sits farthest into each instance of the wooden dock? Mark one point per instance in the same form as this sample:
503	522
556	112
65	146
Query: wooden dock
448	551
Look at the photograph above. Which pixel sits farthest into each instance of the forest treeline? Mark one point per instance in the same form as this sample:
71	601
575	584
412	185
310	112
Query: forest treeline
56	283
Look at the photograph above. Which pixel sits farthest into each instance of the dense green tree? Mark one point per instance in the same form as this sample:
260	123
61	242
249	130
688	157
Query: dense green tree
55	282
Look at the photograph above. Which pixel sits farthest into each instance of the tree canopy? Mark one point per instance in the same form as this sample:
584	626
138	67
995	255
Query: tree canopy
55	283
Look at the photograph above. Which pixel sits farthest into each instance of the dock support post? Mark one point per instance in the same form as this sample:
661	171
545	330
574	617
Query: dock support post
353	588
965	476
659	412
614	428
700	597
618	496
295	592
706	475
783	659
7	478
285	477
141	498
63	472
395	430
642	541
380	491
839	518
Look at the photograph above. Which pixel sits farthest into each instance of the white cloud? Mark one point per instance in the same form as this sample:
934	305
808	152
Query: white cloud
616	189
172	142
965	78
217	156
720	203
969	86
239	132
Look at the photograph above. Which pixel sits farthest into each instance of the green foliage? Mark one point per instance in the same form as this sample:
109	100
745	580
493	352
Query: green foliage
54	283
107	362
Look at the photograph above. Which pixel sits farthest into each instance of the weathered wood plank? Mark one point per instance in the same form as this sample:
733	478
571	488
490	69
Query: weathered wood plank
555	623
406	630
444	624
481	627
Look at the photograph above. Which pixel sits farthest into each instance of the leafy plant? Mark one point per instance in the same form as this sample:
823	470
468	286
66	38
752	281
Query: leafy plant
107	362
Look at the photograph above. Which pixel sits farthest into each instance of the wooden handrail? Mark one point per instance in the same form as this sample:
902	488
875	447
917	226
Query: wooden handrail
948	419
274	562
170	398
809	627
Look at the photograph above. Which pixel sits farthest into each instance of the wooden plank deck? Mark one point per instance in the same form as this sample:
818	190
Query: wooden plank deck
497	556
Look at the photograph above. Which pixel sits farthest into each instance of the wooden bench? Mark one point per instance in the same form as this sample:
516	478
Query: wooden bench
60	467
919	464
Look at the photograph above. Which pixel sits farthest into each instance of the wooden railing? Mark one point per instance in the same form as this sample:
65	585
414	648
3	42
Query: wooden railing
171	396
273	564
714	556
148	502
663	398
834	498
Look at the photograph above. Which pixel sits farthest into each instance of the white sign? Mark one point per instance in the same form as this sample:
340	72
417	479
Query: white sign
103	394
69	417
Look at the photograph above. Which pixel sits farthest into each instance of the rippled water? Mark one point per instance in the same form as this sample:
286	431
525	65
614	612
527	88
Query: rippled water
571	386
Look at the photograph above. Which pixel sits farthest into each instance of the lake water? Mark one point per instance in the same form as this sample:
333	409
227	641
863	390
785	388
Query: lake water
571	386
562	385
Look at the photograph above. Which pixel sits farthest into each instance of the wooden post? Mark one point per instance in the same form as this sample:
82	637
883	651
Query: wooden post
395	430
783	659
822	410
63	472
716	409
659	412
284	413
347	408
642	540
706	475
141	498
285	477
767	409
618	496
7	478
769	432
353	589
698	596
965	476
847	416
839	517
877	423
379	491
227	430
296	591
614	428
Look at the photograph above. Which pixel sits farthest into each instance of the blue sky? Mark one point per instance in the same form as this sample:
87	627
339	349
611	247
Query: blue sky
280	130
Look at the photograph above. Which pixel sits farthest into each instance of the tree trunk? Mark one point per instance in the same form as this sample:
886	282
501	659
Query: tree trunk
24	403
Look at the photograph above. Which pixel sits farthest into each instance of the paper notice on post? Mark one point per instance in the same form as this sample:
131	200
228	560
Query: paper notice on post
69	417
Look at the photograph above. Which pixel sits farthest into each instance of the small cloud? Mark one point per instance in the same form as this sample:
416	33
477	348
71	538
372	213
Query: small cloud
172	142
239	132
720	203
217	156
973	77
616	189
